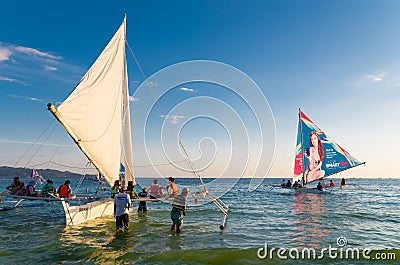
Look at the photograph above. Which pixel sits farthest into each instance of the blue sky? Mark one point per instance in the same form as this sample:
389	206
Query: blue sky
337	60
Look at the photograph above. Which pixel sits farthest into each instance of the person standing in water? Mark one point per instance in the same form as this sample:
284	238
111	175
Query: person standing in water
179	206
122	204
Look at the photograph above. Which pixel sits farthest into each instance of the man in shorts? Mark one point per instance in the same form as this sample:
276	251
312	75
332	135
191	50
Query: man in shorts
122	204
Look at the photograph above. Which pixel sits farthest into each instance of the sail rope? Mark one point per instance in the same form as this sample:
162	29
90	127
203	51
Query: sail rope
152	165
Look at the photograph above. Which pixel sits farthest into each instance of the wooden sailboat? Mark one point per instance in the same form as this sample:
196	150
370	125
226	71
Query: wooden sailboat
318	156
96	116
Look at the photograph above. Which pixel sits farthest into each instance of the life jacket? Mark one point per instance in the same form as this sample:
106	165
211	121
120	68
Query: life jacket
114	191
64	191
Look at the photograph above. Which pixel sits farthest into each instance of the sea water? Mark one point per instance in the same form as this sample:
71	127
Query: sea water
259	221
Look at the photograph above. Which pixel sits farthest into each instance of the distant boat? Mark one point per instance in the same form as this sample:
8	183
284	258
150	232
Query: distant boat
96	116
317	157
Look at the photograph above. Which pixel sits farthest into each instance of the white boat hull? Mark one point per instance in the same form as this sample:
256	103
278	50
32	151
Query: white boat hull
75	215
312	190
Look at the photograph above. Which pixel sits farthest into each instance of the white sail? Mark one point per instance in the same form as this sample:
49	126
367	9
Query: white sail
92	114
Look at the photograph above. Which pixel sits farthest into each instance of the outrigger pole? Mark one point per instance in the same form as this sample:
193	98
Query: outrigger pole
214	199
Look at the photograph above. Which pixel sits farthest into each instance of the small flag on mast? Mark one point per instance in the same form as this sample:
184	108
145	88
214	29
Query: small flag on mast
35	176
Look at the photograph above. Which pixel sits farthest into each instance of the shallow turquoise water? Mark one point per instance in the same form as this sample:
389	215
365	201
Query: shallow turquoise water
35	232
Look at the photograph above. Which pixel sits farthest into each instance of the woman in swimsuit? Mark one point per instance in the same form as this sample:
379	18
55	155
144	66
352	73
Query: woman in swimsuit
315	159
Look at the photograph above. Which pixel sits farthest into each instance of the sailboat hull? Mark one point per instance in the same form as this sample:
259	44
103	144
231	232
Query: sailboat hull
312	191
75	215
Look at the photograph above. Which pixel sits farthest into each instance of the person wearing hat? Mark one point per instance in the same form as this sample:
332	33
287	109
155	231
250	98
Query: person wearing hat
122	204
179	206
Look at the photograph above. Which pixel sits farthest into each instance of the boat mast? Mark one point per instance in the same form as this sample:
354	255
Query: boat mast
302	148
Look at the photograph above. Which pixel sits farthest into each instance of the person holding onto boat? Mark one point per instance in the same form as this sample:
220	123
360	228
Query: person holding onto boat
130	189
114	189
64	191
155	190
30	189
48	189
172	188
15	186
179	206
142	204
319	186
315	155
122	204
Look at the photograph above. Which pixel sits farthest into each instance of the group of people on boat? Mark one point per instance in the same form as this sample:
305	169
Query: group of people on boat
321	184
289	184
18	188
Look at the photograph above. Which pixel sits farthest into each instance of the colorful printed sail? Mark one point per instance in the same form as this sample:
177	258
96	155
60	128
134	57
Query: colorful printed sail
321	155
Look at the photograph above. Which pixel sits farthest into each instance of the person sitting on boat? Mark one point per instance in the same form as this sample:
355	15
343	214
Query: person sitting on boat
130	189
288	184
295	184
122	204
155	190
172	188
30	189
22	189
14	186
64	191
179	206
319	186
142	204
283	184
114	189
316	156
331	184
343	182
48	188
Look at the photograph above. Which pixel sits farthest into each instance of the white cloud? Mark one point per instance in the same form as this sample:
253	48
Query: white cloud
12	80
375	78
152	83
173	118
35	99
188	89
35	52
133	99
28	98
8	50
50	68
3	78
5	53
367	80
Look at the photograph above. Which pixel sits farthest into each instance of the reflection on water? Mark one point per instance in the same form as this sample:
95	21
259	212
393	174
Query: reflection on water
309	219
